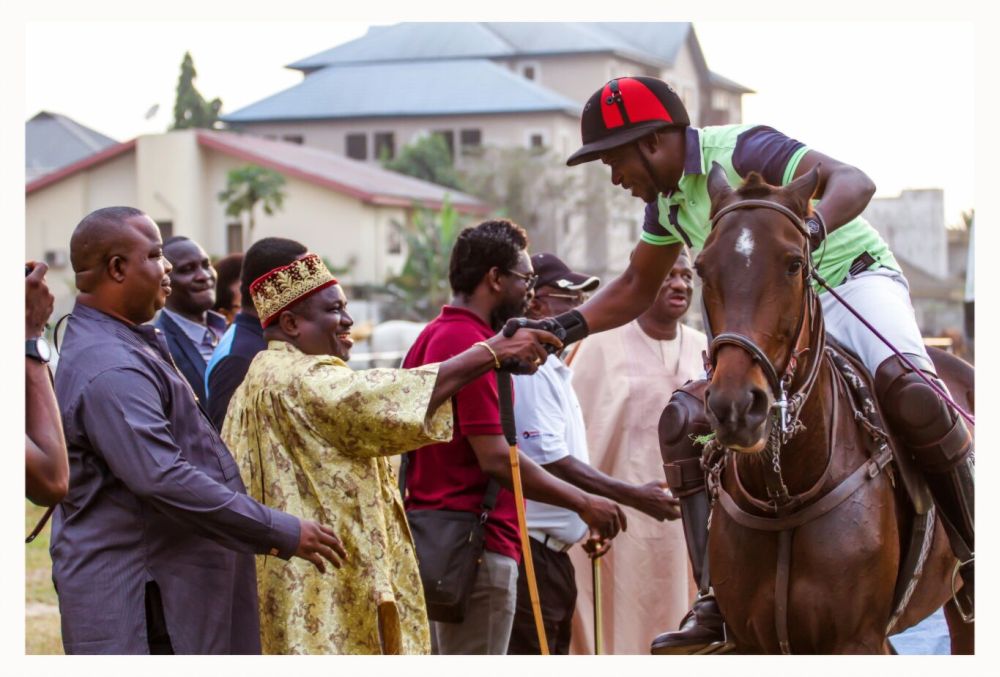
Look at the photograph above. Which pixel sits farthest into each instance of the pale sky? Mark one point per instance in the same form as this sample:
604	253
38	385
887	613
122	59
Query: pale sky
894	98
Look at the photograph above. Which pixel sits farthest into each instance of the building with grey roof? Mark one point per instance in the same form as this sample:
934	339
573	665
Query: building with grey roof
53	141
495	90
506	84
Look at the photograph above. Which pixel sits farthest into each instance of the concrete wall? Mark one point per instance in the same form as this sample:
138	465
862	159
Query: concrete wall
913	225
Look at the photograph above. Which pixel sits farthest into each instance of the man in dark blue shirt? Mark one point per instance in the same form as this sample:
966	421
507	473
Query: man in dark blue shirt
152	548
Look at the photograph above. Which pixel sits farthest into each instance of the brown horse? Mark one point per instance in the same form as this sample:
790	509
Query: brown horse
808	530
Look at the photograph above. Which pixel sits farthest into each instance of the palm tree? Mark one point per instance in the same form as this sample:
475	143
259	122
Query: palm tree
247	186
422	286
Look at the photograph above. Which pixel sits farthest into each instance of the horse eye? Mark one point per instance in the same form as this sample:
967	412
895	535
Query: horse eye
795	267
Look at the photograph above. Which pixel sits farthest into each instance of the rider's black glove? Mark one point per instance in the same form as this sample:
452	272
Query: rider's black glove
572	327
514	365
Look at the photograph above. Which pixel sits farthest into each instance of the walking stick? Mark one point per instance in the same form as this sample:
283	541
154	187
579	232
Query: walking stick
510	432
595	567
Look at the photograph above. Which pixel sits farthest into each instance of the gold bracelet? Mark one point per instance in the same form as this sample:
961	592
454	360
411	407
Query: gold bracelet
496	360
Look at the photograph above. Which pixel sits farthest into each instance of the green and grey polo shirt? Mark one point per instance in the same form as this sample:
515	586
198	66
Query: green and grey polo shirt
683	215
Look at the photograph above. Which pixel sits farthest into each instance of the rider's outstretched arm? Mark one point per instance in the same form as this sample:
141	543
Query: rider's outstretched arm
627	296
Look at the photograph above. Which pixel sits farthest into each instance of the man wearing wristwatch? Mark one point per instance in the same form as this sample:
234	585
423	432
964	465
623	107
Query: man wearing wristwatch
639	127
45	461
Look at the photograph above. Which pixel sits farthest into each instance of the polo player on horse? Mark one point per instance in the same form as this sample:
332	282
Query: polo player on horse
639	127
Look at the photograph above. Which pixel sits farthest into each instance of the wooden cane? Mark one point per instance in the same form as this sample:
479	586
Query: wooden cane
510	432
595	567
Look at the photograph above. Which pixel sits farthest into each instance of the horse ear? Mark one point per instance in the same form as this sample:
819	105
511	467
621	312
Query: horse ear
718	186
802	189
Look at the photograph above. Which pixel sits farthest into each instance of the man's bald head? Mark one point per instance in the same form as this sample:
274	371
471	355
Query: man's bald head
99	236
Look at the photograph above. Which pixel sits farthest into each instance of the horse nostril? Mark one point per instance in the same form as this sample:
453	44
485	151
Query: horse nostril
758	405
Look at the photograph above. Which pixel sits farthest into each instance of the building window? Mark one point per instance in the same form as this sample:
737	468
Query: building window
166	229
471	140
385	145
449	139
293	138
394	244
234	237
357	146
536	141
530	71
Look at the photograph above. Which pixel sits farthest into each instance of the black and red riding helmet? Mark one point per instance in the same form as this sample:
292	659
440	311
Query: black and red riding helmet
624	110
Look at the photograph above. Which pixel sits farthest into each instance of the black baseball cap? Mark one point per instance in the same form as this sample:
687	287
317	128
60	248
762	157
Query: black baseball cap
552	272
624	110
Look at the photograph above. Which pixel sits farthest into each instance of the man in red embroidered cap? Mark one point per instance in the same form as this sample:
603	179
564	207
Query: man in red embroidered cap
307	431
639	128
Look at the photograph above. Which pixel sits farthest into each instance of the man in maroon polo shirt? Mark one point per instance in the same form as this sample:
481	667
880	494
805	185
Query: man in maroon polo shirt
491	277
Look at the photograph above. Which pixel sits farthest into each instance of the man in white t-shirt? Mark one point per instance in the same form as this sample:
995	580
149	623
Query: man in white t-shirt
550	430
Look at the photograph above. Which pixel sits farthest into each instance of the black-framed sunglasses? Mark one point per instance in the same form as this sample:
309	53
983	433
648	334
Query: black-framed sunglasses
529	278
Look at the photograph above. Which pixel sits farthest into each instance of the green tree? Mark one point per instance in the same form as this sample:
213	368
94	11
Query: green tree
427	158
422	286
528	186
248	186
191	110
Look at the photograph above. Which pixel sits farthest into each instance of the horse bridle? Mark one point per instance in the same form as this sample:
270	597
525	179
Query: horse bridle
779	384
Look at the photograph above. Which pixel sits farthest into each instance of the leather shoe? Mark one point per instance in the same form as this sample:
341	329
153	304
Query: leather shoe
702	631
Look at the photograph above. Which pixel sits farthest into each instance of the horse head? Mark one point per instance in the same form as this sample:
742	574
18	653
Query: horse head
754	269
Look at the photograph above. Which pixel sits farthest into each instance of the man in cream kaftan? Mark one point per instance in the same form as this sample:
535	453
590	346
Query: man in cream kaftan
623	379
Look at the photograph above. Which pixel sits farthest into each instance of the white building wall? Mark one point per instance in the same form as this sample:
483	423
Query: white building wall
169	172
52	213
171	178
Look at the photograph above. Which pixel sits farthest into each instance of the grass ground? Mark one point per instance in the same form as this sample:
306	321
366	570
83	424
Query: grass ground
41	611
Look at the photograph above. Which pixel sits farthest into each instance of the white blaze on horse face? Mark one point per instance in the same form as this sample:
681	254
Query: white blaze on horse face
744	245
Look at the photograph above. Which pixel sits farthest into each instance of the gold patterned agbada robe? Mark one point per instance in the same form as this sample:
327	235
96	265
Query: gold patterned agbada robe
311	437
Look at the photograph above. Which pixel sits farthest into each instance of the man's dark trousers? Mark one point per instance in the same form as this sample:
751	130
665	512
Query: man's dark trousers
557	595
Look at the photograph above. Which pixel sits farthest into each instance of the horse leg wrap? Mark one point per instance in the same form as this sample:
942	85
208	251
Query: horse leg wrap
682	420
942	447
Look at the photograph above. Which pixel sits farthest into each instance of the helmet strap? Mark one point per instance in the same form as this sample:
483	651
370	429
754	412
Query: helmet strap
646	164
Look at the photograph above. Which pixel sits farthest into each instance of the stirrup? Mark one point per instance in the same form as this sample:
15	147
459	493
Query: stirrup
967	616
725	646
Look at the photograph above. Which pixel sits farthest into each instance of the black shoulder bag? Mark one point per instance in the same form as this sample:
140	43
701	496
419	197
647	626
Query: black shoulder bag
449	546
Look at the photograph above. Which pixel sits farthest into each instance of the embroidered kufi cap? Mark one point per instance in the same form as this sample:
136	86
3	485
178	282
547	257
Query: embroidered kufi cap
282	287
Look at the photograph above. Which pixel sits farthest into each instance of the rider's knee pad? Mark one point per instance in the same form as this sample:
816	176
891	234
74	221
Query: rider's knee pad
935	435
682	420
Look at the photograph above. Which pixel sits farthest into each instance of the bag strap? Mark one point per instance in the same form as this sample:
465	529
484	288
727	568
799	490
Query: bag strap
489	498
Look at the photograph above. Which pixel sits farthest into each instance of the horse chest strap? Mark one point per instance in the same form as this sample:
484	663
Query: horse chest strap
831	500
781	578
